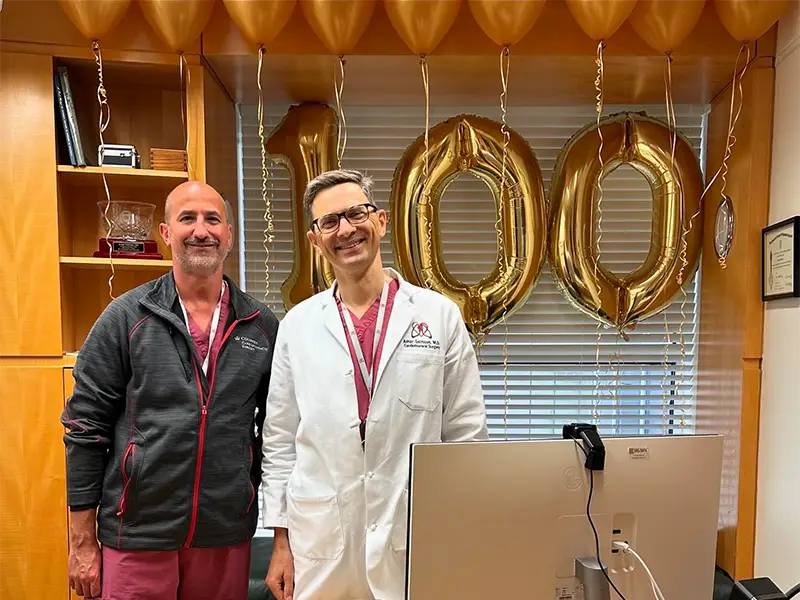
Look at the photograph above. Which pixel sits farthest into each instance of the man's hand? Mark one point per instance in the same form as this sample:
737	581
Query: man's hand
280	577
85	560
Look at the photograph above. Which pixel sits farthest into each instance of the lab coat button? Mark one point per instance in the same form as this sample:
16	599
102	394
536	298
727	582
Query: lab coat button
361	478
374	527
371	474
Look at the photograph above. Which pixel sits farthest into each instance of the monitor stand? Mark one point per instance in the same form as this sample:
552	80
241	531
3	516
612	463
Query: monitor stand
590	573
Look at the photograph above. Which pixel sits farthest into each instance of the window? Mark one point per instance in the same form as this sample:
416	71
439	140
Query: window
552	369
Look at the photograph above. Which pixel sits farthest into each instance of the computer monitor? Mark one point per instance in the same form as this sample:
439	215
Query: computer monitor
508	519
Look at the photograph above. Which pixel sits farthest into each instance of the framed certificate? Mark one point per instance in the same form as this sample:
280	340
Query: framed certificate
780	260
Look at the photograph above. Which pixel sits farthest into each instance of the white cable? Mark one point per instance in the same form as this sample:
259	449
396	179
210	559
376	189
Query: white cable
653	584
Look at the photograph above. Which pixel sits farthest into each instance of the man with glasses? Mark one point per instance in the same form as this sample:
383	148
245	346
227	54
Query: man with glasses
360	371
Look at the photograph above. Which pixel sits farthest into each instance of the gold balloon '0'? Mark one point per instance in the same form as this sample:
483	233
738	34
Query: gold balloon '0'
644	144
461	144
305	142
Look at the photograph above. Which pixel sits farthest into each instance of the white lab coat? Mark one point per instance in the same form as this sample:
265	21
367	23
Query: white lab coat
346	508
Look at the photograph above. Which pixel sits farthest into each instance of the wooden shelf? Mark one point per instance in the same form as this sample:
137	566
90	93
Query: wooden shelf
121	176
129	264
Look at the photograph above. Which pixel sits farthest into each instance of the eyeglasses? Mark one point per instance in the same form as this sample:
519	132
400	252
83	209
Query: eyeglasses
354	215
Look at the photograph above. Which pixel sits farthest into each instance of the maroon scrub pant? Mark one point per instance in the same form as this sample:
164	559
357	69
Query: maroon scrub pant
185	574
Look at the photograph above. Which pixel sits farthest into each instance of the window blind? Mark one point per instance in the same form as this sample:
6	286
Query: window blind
548	364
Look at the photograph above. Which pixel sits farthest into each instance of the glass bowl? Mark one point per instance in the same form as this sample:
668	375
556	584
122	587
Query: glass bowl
129	220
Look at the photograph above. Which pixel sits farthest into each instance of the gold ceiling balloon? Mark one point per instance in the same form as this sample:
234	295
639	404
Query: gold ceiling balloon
422	24
506	22
305	141
600	19
748	20
177	22
92	18
467	143
644	144
339	24
665	24
260	21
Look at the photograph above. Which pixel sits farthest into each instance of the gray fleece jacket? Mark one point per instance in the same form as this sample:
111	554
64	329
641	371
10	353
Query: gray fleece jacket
172	457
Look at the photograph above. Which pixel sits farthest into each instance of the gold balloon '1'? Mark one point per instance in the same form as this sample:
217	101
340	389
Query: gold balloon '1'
305	142
467	143
644	144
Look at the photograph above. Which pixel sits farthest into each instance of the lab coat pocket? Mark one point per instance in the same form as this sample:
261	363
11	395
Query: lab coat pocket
420	380
399	539
315	527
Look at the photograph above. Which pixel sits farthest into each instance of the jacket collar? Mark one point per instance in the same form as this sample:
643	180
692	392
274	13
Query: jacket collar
404	289
162	298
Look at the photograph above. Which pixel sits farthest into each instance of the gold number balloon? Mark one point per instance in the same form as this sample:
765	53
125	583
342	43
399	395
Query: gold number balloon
644	144
468	143
305	142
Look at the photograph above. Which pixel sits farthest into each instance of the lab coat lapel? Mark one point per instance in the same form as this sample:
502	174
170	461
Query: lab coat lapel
333	321
399	321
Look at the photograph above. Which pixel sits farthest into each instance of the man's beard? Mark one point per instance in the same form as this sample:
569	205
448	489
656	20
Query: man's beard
201	263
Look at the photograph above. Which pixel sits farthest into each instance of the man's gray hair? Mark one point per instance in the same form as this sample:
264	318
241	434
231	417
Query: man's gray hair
331	179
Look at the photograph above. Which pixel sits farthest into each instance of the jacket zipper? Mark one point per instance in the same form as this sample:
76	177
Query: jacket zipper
204	402
126	478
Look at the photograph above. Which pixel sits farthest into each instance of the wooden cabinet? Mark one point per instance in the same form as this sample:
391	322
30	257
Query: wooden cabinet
33	514
30	309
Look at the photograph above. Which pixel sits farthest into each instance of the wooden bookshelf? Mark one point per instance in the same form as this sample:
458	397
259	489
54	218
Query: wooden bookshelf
121	176
54	289
145	102
127	264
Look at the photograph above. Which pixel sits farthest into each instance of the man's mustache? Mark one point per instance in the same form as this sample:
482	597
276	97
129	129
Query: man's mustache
201	242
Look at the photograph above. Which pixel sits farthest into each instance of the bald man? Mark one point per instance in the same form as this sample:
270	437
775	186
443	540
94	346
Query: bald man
163	441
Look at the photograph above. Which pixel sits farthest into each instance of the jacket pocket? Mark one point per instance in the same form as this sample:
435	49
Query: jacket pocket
399	538
131	468
315	527
420	378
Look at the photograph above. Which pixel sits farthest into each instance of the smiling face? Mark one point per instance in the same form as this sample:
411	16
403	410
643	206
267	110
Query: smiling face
352	247
197	229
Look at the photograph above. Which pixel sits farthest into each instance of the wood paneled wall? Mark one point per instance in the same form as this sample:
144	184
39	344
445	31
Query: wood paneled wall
221	156
731	311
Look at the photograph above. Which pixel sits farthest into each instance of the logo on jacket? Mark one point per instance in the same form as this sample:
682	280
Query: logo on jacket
420	336
249	343
421	329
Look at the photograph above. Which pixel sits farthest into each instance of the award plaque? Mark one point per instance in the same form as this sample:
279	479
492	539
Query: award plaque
129	231
780	276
